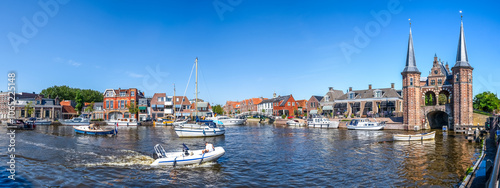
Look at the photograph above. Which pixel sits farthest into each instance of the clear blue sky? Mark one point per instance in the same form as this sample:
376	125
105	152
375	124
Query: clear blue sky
246	49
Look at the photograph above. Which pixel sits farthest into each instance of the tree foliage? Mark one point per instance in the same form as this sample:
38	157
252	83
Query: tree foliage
217	109
429	99
28	109
79	102
442	99
133	108
486	101
90	108
67	93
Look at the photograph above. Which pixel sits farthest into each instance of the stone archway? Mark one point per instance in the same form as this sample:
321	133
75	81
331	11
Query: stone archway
437	119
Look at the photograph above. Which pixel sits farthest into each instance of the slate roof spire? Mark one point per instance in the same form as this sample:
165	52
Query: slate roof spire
411	64
462	59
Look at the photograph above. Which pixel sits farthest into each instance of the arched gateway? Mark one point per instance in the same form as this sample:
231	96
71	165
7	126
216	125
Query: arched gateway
444	97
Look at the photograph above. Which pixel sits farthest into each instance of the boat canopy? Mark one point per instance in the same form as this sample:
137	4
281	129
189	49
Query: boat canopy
327	107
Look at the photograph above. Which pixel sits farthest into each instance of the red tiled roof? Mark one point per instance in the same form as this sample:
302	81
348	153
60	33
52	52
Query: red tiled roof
302	103
68	110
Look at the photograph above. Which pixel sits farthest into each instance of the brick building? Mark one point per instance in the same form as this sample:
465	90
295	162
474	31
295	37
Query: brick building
442	98
284	105
231	107
312	105
117	100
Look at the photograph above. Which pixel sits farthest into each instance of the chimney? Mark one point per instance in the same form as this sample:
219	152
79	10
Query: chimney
392	85
350	88
369	86
447	68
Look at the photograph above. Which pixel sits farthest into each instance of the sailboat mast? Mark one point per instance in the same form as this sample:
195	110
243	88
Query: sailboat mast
173	99
196	100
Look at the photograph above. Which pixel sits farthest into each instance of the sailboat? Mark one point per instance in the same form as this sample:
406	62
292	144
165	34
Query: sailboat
199	129
177	122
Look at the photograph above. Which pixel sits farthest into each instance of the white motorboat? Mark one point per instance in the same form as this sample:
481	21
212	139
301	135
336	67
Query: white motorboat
422	136
295	122
76	121
179	122
39	121
123	122
186	157
205	129
227	120
320	122
365	124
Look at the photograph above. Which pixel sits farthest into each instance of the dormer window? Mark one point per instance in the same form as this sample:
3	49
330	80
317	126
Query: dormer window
351	95
378	94
122	93
327	98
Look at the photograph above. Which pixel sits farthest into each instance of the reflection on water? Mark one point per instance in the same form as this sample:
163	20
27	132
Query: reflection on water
256	155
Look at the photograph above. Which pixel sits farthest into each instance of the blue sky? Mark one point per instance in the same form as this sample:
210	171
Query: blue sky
245	48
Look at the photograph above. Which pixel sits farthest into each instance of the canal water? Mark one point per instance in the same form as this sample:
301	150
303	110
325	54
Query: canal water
256	155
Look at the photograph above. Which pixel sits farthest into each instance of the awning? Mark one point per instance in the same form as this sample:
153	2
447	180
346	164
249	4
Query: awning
160	106
143	107
177	105
313	112
202	104
327	107
153	106
356	105
368	104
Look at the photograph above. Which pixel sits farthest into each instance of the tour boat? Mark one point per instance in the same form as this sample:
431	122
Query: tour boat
76	121
295	122
20	124
204	129
365	124
124	122
227	120
422	136
320	122
39	121
186	157
90	129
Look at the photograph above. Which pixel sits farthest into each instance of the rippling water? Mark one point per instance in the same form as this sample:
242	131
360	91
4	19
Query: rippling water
256	155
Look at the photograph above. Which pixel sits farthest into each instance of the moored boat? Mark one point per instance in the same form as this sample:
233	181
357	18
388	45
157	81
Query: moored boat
295	122
124	122
320	122
39	121
224	120
365	124
422	136
186	157
76	121
21	125
205	129
92	130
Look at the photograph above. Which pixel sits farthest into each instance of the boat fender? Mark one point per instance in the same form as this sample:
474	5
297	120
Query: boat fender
203	131
175	161
214	131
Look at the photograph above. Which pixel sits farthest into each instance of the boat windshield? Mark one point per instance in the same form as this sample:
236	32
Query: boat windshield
354	122
211	124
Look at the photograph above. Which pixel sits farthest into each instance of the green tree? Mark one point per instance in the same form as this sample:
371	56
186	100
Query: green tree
28	109
486	101
90	108
67	93
442	99
263	111
217	109
133	109
79	102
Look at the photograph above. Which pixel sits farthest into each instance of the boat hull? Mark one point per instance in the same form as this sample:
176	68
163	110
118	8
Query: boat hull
372	128
233	121
426	136
86	130
332	125
75	123
186	132
179	159
124	123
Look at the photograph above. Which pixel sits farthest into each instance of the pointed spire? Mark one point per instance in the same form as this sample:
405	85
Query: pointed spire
411	65
462	59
